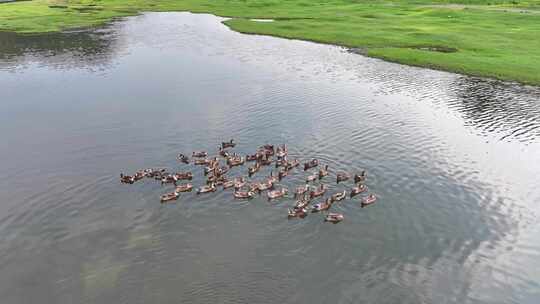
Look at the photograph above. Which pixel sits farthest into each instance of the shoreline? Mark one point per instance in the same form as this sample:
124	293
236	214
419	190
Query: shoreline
441	56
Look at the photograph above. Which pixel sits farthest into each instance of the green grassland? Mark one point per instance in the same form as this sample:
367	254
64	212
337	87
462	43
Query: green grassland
494	38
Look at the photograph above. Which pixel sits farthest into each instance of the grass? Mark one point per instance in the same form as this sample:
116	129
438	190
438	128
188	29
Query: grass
493	38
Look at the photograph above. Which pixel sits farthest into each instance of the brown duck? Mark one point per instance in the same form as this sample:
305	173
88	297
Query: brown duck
207	188
318	191
358	189
182	158
200	154
311	164
228	144
334	218
322	206
126	179
302	203
297	212
311	177
254	169
339	196
301	190
323	172
370	199
184	188
342	176
239	182
266	185
169	197
243	194
281	152
235	160
292	164
277	193
360	177
282	173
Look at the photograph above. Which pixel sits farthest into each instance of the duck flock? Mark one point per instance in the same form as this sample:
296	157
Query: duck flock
244	187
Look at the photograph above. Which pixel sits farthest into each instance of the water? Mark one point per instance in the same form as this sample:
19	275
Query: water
454	160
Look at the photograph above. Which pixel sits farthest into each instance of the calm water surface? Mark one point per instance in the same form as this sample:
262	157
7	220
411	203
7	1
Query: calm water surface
455	161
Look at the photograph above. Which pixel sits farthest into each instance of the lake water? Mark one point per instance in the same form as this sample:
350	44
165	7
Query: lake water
454	160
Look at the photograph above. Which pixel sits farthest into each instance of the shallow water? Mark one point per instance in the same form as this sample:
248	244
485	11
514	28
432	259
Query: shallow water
454	160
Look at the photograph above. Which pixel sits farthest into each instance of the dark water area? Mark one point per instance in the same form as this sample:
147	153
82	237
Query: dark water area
454	160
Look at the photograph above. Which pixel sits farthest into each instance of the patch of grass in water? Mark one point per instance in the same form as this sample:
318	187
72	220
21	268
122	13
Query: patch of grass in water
86	8
433	48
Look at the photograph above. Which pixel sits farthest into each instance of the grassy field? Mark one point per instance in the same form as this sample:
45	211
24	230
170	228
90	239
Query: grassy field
494	38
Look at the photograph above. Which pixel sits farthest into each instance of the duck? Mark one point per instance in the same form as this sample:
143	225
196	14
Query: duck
281	151
139	175
235	160
322	206
265	161
268	184
360	177
155	173
221	181
184	188
182	158
358	189
292	164
218	179
253	186
228	144
126	179
239	182
300	190
253	157
281	162
339	196
222	152
144	172
318	191
169	179
323	172
342	176
334	218
243	194
214	162
311	164
202	161
159	175
370	199
200	154
207	188
277	193
228	184
254	169
311	178
183	176
297	212
301	203
282	173
169	197
209	169
221	170
272	177
267	149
